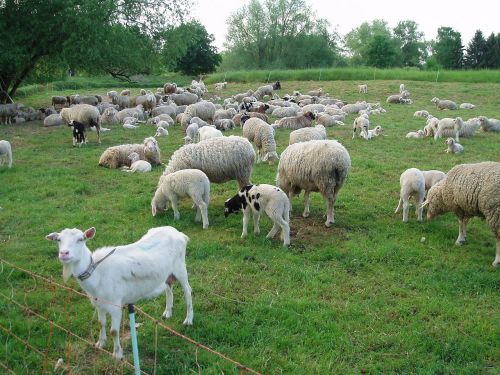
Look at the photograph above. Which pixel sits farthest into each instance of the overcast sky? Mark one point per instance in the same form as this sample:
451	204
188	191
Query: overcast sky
344	16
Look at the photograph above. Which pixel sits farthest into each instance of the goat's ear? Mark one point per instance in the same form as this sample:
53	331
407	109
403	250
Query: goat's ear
54	236
89	233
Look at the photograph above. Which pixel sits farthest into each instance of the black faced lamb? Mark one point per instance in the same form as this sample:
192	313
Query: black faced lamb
78	133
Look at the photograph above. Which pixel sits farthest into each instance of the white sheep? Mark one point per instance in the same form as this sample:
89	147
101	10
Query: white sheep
489	124
192	132
130	120
129	126
222	159
137	165
467	106
362	124
432	177
375	132
417	135
363	88
446	124
467	129
314	166
53	120
204	110
161	131
187	182
117	156
87	114
402	88
412	182
317	132
224	124
454	147
124	92
5	153
262	135
444	104
424	114
143	269
208	132
253	199
220	85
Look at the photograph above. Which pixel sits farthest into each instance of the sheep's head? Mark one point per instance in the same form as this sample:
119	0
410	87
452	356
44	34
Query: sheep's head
236	203
310	115
151	146
434	100
434	201
72	248
277	86
271	157
459	121
244	118
133	157
450	141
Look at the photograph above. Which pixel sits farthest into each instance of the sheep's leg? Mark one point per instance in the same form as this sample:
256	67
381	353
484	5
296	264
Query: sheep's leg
182	277
290	197
273	230
462	230
279	222
246	217
116	317
256	219
175	207
101	314
307	201
204	214
399	205
496	262
98	135
330	213
169	299
420	209
406	209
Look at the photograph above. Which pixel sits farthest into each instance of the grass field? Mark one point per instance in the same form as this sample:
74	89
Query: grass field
364	296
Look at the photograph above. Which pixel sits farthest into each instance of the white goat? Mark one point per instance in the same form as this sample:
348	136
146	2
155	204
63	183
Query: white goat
143	269
6	152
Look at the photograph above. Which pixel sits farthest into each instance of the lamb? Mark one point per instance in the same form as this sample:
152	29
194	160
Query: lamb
302	121
204	110
222	159
489	124
375	132
412	182
239	97
317	92
137	165
363	88
78	133
262	134
266	90
402	88
454	147
161	131
53	120
362	124
444	104
143	269
431	126
257	198
128	125
84	113
207	132
187	182
192	132
129	120
424	114
449	124
432	177
198	121
469	190
8	112
163	117
317	132
117	156
220	85
5	153
314	166
417	135
467	106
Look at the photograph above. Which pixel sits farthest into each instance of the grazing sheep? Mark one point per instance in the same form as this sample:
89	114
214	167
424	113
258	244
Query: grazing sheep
262	134
469	190
187	182
5	153
257	198
222	159
444	104
317	132
363	89
424	114
302	121
314	166
207	132
432	177
237	118
143	269
418	134
454	147
192	132
362	124
53	120
199	122
8	112
489	124
467	106
84	113
204	110
78	133
117	156
186	98
412	182
137	165
447	124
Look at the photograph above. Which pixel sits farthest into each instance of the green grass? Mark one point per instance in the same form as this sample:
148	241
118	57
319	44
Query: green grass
364	296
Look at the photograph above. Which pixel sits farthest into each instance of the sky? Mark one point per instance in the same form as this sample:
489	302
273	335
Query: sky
344	16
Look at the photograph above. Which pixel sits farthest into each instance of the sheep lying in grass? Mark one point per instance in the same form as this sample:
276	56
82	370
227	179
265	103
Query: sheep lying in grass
161	131
467	106
375	132
143	269
454	147
423	114
53	120
412	182
5	153
253	199
187	182
301	121
117	156
489	124
137	165
417	135
444	104
469	190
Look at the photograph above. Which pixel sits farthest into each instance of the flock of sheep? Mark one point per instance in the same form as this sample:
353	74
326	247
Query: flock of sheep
311	162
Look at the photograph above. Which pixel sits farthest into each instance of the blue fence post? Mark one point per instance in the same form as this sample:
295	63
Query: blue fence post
133	336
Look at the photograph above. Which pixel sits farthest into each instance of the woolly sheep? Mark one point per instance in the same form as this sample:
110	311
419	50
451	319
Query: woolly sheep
266	90
224	124
8	112
168	109
87	99
262	135
317	92
130	112
237	118
423	114
314	108
418	134
199	122
187	182
257	198
239	97
432	177
489	124
204	110
431	126
355	107
137	165
454	147
319	165
117	156
125	92
296	122
84	113
467	129
220	85
129	120
467	106
5	153
58	101
412	182
221	159
207	132
282	112
169	88
224	114
444	104
469	190
317	132
362	124
363	88
161	131
185	98
53	120
449	124
192	131
143	269
375	132
394	99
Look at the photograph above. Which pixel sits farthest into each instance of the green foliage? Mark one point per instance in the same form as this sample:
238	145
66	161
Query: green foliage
413	46
492	54
474	58
189	50
448	48
382	52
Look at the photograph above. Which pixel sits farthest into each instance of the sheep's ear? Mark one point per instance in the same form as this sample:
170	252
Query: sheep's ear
89	233
54	236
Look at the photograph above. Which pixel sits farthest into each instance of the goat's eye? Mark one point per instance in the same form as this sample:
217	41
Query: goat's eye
80	239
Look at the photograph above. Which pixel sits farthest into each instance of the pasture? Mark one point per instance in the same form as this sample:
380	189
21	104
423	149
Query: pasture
364	296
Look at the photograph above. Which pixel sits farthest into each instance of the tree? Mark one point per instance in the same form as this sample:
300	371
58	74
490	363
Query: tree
448	48
382	51
492	53
413	47
188	49
474	57
78	34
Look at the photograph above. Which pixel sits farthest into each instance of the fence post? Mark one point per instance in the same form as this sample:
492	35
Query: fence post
133	336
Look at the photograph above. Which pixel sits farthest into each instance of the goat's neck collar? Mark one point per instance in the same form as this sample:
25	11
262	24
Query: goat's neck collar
92	266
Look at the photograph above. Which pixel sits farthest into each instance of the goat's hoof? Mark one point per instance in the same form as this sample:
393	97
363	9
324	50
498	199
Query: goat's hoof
188	322
305	214
100	344
118	355
460	242
496	263
166	315
328	223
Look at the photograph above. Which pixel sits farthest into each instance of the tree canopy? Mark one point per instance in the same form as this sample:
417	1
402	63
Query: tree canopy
448	48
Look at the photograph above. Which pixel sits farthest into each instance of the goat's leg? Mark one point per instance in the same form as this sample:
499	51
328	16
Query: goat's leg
169	298
101	314
116	317
182	277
